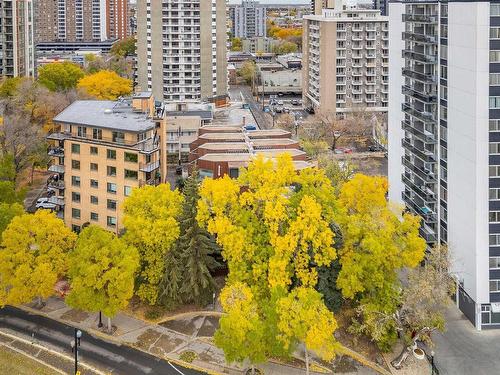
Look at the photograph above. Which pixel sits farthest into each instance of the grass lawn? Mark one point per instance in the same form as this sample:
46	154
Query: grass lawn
12	362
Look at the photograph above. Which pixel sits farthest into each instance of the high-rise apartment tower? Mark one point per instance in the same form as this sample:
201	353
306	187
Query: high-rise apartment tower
248	19
444	137
182	49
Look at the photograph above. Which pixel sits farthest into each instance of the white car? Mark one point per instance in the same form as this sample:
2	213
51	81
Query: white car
42	200
46	205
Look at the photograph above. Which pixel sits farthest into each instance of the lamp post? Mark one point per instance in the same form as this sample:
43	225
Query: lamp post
432	362
100	320
74	347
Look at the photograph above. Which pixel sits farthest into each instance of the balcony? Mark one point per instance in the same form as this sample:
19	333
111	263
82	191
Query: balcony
426	96
151	182
56	152
419	37
420	18
56	184
422	77
422	191
424	155
427	233
419	114
420	57
424	173
149	167
425	212
424	136
56	168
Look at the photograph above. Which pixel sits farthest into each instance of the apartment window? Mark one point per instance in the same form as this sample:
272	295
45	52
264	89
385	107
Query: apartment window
97	133
494	125
111	204
494	194
118	137
75	148
93	150
494	148
494	32
494	239
75	164
111	171
444	72
81	131
494	285
111	154
443	193
111	188
94	216
75	228
495	10
494	216
443	90
94	167
111	221
443	133
444	10
494	170
75	197
494	102
444	153
494	56
494	263
131	174
444	31
127	190
94	199
75	213
75	181
131	157
94	184
444	51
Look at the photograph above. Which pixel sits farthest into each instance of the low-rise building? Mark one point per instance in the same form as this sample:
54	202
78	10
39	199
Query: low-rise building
101	151
220	151
276	78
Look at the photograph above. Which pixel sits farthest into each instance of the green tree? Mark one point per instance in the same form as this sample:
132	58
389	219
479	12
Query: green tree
247	71
9	86
286	47
60	76
124	47
236	44
151	222
101	271
10	200
378	243
33	256
273	227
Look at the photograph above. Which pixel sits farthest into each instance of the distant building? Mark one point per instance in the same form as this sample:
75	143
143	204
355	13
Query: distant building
17	50
248	19
224	150
259	44
182	50
283	76
346	60
71	21
381	5
102	150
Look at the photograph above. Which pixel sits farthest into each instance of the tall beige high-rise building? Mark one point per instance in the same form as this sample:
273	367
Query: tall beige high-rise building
345	60
81	20
182	49
17	52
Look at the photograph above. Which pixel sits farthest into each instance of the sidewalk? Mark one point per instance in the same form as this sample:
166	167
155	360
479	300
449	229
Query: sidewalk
170	339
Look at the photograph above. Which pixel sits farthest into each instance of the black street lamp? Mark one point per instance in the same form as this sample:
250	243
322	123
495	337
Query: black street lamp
74	347
100	320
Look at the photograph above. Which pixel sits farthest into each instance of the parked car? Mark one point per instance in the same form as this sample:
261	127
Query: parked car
375	148
278	110
250	127
280	94
178	170
42	200
310	110
343	150
295	102
280	102
286	109
266	109
46	206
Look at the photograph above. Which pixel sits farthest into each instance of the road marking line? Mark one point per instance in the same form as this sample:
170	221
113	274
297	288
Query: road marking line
175	368
34	359
56	353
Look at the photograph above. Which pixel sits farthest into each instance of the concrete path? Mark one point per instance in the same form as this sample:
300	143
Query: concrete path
462	350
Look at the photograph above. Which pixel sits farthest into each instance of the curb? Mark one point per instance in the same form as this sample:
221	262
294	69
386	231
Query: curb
118	342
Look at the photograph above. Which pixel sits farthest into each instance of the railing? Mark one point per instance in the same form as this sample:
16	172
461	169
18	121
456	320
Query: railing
151	182
423	18
149	167
427	97
422	116
426	78
56	151
425	137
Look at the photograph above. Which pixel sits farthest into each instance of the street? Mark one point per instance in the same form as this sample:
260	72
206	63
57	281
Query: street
107	356
264	120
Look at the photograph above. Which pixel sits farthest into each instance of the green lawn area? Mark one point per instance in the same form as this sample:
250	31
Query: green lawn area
12	362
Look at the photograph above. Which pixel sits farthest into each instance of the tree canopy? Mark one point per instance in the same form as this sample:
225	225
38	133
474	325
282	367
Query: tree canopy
105	85
33	256
60	76
124	47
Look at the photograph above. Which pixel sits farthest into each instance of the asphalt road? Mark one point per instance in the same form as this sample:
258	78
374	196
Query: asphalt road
107	356
264	120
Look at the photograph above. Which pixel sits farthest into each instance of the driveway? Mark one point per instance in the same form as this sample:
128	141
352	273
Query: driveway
462	350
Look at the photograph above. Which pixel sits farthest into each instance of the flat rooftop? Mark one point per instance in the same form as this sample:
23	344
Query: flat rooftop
205	115
246	156
106	114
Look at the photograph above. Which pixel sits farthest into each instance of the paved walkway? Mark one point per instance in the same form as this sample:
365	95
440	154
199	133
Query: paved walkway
170	339
462	350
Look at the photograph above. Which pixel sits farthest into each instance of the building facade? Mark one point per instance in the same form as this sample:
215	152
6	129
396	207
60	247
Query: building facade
248	19
382	5
182	49
101	151
345	60
81	20
444	138
17	51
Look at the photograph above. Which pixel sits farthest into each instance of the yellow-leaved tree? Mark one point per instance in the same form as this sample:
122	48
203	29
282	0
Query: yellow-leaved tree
378	242
274	227
33	256
151	222
105	85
